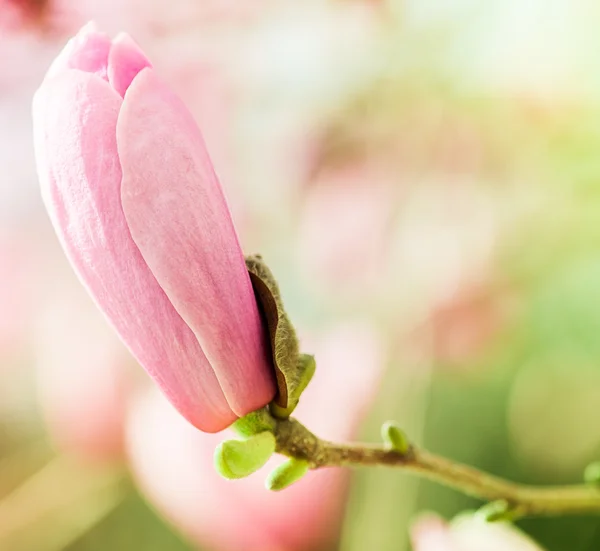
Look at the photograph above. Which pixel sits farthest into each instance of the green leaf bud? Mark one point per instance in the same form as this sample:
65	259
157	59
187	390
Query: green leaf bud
495	511
394	437
286	474
240	458
254	423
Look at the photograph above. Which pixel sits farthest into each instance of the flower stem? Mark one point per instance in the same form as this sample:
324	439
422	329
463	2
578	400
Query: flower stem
295	440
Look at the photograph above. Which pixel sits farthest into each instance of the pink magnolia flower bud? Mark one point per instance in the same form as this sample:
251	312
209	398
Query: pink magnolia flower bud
180	481
431	533
135	202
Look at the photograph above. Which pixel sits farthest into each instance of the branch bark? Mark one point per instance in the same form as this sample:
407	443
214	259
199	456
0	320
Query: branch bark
295	440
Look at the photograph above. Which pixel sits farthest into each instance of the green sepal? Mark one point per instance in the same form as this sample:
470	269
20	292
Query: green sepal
496	511
394	437
286	474
305	371
240	458
591	475
254	423
292	371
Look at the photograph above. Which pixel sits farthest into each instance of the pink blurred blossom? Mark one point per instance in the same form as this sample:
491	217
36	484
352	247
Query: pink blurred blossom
443	246
133	197
464	327
16	296
344	230
15	14
43	20
181	15
173	463
84	376
284	70
430	533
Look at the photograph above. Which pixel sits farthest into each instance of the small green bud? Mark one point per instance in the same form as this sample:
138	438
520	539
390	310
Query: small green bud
394	437
495	511
254	423
592	473
240	458
286	474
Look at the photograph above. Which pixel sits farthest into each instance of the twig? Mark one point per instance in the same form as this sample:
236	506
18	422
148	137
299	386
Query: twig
295	440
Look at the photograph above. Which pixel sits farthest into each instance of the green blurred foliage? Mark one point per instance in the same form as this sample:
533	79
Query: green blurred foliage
131	525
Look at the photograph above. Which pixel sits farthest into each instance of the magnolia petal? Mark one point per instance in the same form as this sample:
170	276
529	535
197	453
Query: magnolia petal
87	51
125	61
75	117
179	219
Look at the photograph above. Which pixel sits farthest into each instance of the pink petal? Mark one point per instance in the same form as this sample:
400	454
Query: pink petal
87	51
125	61
180	221
75	116
347	259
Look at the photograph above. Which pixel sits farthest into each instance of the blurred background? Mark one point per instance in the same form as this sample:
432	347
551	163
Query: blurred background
423	176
